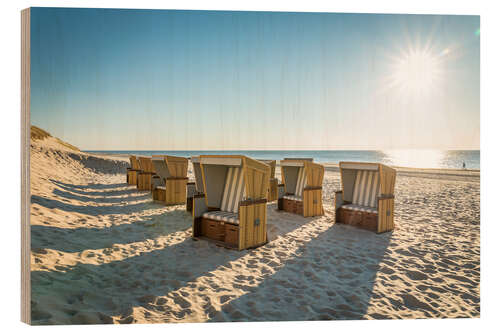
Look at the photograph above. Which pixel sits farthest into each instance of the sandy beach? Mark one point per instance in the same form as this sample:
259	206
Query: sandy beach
103	252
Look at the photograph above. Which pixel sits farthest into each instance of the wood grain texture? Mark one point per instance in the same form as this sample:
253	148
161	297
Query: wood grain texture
253	225
175	191
144	181
25	167
385	215
273	190
132	177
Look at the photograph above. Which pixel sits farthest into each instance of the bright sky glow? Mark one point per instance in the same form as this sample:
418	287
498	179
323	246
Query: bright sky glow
201	80
417	73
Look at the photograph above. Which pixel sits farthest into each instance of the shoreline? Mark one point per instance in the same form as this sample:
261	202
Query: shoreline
402	171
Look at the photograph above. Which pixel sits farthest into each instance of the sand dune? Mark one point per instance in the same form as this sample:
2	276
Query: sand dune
102	252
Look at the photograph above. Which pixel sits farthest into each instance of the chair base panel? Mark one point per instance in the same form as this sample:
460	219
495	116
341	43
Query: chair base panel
159	194
363	220
219	231
297	207
223	234
293	206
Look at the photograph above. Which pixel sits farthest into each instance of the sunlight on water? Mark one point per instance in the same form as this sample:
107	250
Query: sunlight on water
422	158
415	158
441	159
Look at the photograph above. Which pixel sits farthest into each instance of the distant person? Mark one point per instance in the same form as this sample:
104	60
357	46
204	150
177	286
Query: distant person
463	165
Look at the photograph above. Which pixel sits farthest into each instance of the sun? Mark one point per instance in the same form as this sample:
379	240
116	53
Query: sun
417	72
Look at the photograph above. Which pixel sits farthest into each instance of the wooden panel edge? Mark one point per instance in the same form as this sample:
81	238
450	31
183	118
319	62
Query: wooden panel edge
25	167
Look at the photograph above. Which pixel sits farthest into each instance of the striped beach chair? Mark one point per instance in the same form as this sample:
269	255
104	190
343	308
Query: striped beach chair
302	190
170	182
232	210
367	196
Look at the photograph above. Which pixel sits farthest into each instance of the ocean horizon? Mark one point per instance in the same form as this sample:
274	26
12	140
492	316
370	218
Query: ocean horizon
414	158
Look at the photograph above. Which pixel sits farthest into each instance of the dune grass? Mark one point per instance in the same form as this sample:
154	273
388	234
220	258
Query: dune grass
39	134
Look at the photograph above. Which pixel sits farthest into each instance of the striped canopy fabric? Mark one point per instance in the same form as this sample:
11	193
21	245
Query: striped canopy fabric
366	188
233	190
301	182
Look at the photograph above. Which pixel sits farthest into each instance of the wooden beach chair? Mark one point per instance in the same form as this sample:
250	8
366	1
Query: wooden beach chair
196	187
272	194
302	187
233	209
367	196
133	170
169	183
144	177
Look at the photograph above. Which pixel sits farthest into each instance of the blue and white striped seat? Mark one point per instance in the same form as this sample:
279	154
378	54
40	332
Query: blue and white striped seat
222	216
293	197
234	190
360	208
366	192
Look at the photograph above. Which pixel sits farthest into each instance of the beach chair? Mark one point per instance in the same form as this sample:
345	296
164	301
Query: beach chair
272	194
133	170
233	209
302	189
196	187
169	183
367	196
144	177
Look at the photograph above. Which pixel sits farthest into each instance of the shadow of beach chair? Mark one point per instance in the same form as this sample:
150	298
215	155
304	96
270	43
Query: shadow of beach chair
196	187
144	176
301	192
367	196
272	194
133	170
233	209
169	183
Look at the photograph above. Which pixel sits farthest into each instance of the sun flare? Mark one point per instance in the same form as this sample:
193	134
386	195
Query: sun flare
417	72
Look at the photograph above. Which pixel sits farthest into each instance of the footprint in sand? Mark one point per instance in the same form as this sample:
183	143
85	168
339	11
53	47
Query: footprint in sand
414	275
181	302
412	302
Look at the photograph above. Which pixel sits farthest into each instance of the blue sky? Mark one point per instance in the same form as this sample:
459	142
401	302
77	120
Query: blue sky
194	80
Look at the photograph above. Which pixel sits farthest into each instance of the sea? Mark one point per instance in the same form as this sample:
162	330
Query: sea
414	158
